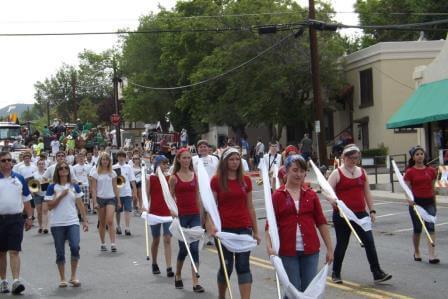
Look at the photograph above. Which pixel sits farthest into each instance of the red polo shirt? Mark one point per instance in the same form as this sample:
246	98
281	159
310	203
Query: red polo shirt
309	216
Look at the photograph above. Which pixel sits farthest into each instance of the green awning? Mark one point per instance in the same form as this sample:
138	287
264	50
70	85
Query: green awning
427	104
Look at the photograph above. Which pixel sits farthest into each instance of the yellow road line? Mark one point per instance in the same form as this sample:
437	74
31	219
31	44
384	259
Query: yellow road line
348	286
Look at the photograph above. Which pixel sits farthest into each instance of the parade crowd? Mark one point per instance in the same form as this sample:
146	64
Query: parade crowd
84	174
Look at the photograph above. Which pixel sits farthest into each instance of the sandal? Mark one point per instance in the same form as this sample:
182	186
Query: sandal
63	284
75	283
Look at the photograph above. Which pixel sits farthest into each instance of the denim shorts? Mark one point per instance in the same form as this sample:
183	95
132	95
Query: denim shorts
102	202
126	204
156	228
38	199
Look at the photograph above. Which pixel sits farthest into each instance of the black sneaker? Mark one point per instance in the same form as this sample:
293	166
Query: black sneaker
178	284
169	272
380	276
336	278
119	230
155	269
198	289
127	232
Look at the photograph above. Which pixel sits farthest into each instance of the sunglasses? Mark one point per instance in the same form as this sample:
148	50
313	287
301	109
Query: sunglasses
63	168
5	160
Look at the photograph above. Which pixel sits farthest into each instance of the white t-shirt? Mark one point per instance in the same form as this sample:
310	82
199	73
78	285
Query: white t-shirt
210	163
40	177
270	160
82	173
16	167
137	174
245	165
26	171
65	213
104	188
14	192
55	146
129	176
70	159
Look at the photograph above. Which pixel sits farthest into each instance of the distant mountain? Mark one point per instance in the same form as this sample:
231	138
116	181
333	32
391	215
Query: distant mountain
19	108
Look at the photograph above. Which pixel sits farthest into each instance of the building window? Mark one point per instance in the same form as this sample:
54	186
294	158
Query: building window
405	130
366	85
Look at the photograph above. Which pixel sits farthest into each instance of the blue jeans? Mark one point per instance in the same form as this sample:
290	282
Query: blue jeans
241	260
60	235
189	221
301	269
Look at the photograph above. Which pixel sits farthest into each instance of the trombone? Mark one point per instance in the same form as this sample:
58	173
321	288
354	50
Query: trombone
34	186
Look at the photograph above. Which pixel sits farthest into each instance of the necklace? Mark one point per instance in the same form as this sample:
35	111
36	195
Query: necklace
352	172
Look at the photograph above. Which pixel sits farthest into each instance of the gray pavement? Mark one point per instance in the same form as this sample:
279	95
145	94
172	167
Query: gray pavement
128	274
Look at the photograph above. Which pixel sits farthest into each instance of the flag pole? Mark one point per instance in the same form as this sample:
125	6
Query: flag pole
351	227
224	266
423	225
146	238
195	269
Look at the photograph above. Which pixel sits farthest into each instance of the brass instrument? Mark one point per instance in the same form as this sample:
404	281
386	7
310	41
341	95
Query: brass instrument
121	181
34	186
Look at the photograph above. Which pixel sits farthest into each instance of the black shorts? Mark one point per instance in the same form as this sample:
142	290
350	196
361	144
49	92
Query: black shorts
11	232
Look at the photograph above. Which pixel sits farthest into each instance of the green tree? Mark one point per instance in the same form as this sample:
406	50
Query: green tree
86	113
392	12
65	90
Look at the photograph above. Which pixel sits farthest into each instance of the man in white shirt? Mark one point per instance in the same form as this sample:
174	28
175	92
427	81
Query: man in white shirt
14	199
259	151
27	168
128	191
210	162
82	171
55	145
273	162
60	157
96	156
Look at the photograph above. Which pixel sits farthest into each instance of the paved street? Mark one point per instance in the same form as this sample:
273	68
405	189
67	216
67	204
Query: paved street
127	273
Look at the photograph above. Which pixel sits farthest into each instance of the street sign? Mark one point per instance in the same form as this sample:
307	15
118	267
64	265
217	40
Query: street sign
115	119
317	126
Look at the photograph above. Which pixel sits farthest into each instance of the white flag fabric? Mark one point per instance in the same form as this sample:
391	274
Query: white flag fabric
191	234
169	200
275	170
365	223
233	242
144	195
316	288
425	216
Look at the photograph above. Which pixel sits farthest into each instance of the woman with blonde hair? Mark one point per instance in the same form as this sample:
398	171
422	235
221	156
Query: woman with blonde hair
105	198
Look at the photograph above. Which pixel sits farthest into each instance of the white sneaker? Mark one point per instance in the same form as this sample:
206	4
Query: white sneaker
17	287
4	287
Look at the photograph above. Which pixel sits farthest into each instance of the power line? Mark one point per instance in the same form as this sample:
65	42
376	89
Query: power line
392	78
224	73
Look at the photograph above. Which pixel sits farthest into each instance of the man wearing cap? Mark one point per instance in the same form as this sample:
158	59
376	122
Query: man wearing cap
14	199
210	162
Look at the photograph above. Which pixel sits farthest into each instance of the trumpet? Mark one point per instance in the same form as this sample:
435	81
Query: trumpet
121	181
34	186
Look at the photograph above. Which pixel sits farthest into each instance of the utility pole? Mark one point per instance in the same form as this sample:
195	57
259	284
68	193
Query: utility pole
315	73
48	113
115	80
75	107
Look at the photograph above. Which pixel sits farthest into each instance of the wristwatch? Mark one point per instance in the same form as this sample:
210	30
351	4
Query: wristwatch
29	218
372	212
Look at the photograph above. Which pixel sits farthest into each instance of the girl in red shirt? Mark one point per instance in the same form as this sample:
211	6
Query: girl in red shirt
298	212
184	188
158	207
352	187
233	193
420	179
